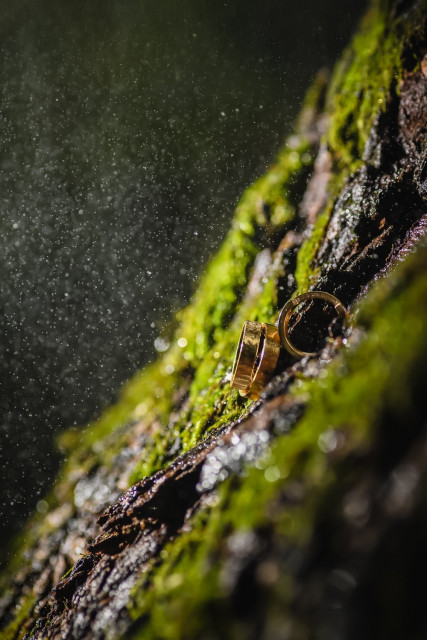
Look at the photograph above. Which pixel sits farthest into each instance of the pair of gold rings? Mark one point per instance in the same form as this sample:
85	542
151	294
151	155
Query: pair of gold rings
260	343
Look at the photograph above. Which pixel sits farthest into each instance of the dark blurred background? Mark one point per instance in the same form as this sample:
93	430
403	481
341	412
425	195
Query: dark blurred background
129	129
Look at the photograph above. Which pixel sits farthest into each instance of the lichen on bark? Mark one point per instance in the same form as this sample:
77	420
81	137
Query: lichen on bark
277	518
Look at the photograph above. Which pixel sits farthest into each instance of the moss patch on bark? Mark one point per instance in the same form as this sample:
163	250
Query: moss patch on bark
185	394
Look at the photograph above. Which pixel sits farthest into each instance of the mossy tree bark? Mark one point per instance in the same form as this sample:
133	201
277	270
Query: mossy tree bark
301	515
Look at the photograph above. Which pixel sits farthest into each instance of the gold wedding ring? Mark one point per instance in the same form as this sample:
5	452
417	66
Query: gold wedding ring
289	308
256	358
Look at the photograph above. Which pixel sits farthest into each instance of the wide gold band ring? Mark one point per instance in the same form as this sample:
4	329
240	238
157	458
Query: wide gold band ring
289	308
246	355
256	358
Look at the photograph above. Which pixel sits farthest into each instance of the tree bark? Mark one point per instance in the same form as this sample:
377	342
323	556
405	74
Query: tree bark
300	515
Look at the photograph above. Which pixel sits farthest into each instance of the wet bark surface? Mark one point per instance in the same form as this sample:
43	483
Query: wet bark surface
383	201
378	217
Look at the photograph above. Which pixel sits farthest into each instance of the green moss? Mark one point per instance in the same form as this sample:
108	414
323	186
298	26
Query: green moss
305	276
24	610
179	597
364	82
366	78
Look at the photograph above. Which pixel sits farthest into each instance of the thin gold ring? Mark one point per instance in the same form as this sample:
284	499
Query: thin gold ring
290	307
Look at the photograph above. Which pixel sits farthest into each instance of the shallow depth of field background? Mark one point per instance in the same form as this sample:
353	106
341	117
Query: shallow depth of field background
129	129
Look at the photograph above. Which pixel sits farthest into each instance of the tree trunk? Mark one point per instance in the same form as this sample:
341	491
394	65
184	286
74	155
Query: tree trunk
302	514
